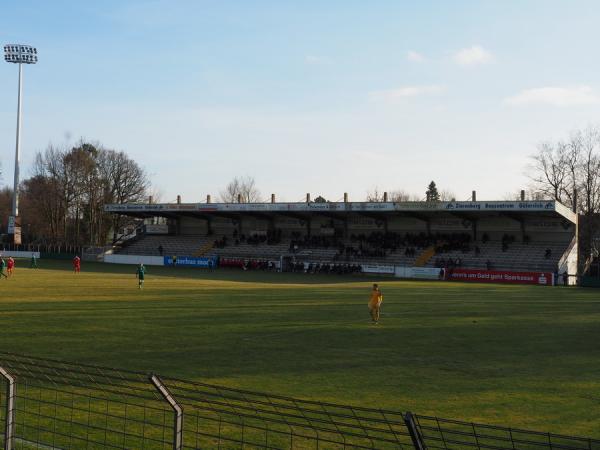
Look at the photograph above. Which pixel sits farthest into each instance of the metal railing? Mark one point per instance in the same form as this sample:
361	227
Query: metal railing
62	405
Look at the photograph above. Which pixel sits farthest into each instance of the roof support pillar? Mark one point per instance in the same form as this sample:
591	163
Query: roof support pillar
346	226
209	229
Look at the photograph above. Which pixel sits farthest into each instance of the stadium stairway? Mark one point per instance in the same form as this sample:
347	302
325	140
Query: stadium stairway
204	249
425	256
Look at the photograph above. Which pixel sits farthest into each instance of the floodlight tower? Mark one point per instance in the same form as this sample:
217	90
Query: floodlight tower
18	54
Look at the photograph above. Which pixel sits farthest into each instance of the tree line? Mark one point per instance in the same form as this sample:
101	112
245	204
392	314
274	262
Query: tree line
63	201
245	190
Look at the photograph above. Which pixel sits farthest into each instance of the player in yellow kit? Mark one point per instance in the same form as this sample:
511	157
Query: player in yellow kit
375	303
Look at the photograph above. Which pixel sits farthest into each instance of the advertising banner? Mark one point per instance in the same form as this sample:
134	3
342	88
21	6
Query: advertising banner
421	273
20	254
376	268
499	276
342	206
425	273
189	261
156	229
11	225
134	259
17	235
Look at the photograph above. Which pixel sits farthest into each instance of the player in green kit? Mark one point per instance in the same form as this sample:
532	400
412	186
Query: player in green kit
140	272
3	268
33	263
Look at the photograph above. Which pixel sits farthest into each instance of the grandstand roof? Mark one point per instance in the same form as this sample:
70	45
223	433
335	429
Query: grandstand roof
425	210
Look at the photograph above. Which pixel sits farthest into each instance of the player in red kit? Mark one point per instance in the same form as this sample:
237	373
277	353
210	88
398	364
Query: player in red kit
10	265
77	264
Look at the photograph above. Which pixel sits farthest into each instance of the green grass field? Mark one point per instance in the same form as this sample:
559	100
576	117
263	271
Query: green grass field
519	356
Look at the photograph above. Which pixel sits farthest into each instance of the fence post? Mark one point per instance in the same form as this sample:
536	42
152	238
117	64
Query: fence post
177	409
416	437
11	392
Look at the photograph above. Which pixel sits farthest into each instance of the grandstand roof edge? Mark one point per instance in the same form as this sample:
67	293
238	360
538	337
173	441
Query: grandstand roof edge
498	206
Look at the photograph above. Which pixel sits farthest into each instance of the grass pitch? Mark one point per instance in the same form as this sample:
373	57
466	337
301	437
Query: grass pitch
518	356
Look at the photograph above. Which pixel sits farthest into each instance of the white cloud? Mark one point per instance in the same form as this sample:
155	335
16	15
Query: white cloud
405	92
314	60
415	56
472	56
555	96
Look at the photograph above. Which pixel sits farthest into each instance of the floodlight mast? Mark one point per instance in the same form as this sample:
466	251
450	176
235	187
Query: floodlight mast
15	205
18	54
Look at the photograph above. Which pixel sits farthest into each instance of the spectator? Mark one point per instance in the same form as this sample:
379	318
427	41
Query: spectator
160	250
548	253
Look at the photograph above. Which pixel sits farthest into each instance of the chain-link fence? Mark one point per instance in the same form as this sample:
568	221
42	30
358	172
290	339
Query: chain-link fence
61	405
437	433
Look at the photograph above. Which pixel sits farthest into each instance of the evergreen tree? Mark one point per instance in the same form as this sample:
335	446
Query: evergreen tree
432	194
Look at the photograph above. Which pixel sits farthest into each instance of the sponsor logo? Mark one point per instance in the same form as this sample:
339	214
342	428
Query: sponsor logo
189	261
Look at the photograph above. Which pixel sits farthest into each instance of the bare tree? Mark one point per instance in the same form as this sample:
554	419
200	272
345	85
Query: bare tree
549	171
71	186
123	180
375	195
587	181
398	195
242	188
572	160
530	195
570	173
447	195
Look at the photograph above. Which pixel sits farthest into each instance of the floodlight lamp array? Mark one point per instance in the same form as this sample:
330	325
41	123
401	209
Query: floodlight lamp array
20	54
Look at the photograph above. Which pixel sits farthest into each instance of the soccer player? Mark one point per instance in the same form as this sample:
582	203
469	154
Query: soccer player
375	303
10	265
77	264
2	268
33	263
140	272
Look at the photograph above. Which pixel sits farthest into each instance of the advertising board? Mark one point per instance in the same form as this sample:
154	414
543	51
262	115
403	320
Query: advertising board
376	268
189	261
500	276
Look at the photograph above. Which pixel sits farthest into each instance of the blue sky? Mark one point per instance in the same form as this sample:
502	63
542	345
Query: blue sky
306	96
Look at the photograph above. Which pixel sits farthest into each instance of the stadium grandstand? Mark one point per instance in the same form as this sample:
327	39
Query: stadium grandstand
453	240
